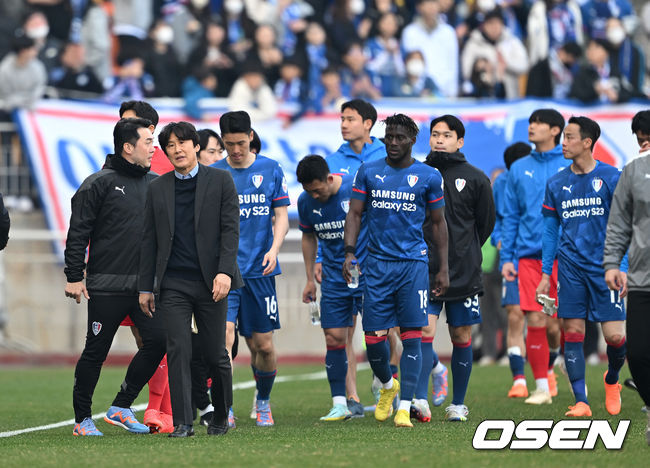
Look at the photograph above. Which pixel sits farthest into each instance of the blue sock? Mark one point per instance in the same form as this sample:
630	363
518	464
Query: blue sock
265	383
461	369
254	369
574	359
615	359
553	353
516	364
379	357
336	363
410	364
422	387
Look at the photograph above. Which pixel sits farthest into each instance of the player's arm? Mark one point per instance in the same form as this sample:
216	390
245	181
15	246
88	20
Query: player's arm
280	229
351	234
441	239
509	227
619	233
550	237
309	247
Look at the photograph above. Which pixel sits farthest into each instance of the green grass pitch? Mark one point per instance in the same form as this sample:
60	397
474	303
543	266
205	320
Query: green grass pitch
37	396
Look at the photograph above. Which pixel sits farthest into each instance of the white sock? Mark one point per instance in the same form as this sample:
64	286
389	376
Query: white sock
542	384
205	410
514	350
388	385
376	382
520	381
404	405
422	402
439	369
339	400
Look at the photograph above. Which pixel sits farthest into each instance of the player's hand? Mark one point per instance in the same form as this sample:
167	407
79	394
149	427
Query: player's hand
440	283
309	293
269	262
347	264
544	285
220	286
617	281
318	272
76	290
147	304
508	271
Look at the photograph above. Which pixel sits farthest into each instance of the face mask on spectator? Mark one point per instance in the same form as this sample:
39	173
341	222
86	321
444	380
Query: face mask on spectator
415	67
200	4
615	36
39	32
357	6
164	34
234	7
486	5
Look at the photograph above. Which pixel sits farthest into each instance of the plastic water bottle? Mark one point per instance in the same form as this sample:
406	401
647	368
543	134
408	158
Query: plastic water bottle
354	275
314	311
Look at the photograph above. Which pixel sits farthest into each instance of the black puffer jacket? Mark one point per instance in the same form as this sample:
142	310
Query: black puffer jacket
108	213
470	215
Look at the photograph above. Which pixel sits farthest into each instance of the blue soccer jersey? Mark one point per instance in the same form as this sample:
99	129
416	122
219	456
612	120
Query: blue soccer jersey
580	202
261	188
396	201
327	220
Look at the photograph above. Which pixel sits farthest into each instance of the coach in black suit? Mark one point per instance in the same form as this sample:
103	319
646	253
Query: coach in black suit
189	259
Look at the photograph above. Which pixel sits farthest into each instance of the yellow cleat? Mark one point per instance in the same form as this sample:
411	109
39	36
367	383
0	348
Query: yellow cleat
384	406
402	419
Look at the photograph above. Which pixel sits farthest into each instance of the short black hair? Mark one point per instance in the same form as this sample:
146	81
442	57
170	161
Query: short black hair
572	48
204	137
142	109
588	128
126	131
20	43
551	117
516	151
256	143
452	122
235	122
312	167
403	121
366	110
641	122
183	130
494	13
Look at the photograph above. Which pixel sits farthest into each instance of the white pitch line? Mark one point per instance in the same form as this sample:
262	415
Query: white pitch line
238	386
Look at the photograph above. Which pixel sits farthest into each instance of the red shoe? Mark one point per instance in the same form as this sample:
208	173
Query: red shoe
167	423
153	419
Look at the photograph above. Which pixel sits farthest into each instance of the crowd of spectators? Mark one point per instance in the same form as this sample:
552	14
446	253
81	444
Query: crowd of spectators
315	53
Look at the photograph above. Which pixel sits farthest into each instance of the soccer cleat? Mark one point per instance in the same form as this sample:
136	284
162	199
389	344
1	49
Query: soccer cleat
231	419
264	416
548	304
420	411
539	397
206	419
612	396
254	408
124	417
338	413
579	410
356	408
374	388
168	423
456	413
518	391
402	419
86	428
552	383
440	387
152	418
385	404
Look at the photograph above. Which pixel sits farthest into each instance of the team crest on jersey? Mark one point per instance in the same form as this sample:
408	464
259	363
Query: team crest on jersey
97	327
345	204
597	183
412	179
460	184
257	180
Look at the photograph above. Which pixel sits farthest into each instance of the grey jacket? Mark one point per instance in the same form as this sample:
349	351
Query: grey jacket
629	224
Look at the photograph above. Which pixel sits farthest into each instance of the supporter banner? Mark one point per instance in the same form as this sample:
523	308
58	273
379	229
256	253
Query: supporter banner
67	141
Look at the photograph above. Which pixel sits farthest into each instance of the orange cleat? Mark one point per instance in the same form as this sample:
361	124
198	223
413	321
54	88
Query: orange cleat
518	391
612	396
580	410
552	383
167	423
153	419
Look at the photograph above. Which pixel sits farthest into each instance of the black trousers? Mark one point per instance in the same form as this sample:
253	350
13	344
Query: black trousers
179	299
200	373
105	313
637	331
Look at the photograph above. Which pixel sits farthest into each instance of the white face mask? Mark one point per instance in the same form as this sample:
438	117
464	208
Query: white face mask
415	67
40	32
486	5
357	6
616	36
200	4
165	35
234	7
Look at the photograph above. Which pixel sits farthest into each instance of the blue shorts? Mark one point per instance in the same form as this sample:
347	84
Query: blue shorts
585	295
339	304
459	313
396	294
254	308
509	292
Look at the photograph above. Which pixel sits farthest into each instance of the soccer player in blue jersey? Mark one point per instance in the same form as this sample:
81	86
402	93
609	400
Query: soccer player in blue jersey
322	209
396	193
577	200
263	194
